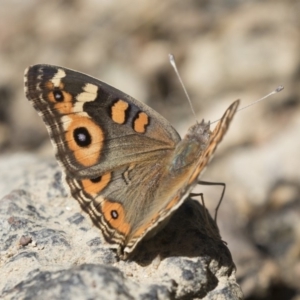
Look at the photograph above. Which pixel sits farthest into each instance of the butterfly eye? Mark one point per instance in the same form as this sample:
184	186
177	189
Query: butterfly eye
96	179
114	214
58	96
82	137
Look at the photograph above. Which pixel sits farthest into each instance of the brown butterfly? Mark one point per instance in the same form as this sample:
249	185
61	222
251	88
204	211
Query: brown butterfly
125	164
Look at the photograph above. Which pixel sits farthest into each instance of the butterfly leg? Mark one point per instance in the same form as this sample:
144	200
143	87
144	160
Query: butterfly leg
222	194
203	204
211	226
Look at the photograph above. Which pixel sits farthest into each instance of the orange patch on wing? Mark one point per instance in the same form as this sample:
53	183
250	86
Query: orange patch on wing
118	111
141	122
141	230
49	85
64	107
146	226
173	202
197	172
154	219
193	177
94	188
89	155
115	216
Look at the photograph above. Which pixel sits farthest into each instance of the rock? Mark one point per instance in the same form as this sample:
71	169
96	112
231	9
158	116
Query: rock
68	258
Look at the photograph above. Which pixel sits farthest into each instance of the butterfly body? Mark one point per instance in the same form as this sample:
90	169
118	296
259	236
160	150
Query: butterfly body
124	163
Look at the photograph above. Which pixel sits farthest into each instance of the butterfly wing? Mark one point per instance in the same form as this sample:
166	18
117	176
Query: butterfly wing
95	127
215	138
113	148
118	154
143	196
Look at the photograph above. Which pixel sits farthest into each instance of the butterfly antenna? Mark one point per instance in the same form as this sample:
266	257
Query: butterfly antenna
277	90
173	63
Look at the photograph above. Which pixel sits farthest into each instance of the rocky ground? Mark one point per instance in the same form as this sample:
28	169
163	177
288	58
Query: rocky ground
225	50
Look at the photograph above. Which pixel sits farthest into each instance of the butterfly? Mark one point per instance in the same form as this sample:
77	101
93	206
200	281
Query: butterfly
124	163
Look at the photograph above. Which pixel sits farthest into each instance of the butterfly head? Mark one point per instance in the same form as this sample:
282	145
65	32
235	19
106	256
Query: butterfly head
199	132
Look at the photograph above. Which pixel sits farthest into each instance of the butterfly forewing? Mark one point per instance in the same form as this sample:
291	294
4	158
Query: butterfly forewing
91	123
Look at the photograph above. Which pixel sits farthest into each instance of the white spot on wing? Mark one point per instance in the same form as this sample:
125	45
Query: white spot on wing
76	184
89	94
25	80
57	77
66	121
87	201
